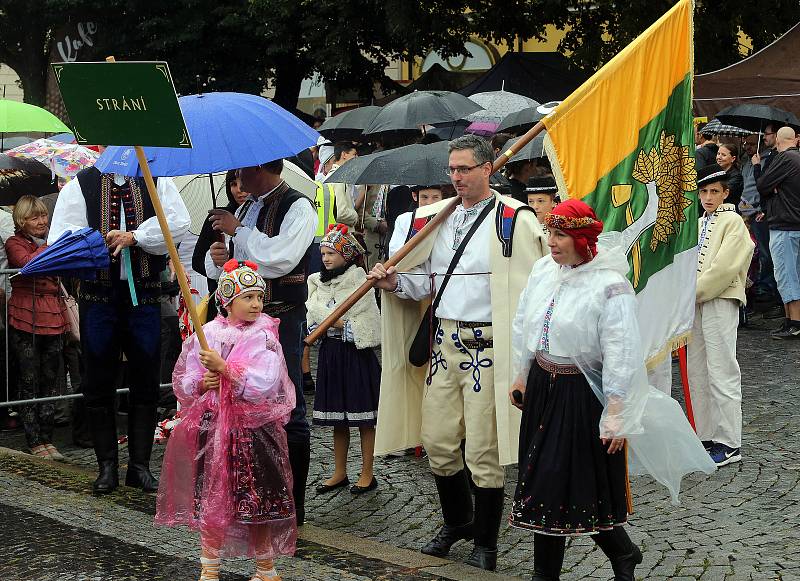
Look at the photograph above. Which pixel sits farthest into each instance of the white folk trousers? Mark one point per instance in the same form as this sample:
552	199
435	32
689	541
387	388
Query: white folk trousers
715	381
459	404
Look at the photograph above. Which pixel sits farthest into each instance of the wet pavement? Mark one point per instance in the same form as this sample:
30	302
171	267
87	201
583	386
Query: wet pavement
739	523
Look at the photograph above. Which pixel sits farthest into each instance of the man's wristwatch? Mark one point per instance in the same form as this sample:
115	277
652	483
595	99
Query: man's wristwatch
135	241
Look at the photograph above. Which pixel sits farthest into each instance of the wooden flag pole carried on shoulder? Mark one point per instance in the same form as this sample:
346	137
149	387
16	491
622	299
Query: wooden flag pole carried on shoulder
180	273
418	237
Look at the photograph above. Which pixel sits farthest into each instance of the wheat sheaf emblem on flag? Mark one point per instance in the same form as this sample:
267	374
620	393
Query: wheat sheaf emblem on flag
671	167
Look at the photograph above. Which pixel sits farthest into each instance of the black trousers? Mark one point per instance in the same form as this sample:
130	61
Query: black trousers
107	331
291	338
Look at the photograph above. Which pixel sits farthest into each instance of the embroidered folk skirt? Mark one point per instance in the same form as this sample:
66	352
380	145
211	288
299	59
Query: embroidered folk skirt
568	483
348	385
261	493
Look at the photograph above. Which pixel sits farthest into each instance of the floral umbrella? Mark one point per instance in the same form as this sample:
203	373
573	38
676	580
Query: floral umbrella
64	159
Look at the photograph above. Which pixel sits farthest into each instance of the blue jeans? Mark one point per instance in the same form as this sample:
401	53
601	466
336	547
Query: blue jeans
785	248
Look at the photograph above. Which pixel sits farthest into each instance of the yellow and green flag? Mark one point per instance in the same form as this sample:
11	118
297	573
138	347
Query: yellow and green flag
623	143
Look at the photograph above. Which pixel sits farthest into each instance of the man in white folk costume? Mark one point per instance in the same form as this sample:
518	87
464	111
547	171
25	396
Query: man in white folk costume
489	243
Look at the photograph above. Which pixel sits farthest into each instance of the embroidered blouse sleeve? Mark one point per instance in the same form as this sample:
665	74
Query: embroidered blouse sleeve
416	283
69	213
148	235
279	255
521	357
620	341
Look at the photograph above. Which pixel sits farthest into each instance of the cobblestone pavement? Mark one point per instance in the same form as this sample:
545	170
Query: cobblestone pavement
739	523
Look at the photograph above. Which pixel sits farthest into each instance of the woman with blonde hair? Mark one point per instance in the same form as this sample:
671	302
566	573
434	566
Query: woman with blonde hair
37	321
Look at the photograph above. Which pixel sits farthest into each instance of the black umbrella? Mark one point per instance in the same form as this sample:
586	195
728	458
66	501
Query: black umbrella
421	108
20	177
756	117
15	183
449	130
415	164
520	121
349	125
23	164
532	150
15	141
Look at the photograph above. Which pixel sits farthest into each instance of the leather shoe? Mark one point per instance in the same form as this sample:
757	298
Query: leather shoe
108	480
483	558
326	488
356	489
140	477
446	538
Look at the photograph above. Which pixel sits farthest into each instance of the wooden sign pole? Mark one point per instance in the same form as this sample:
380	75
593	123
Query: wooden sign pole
418	237
180	273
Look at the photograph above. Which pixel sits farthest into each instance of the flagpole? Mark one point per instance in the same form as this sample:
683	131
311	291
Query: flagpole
428	229
180	273
687	395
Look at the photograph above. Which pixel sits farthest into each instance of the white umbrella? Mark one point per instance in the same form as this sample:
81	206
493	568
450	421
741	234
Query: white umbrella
196	191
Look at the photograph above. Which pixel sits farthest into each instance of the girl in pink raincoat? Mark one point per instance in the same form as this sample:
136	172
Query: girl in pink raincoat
226	470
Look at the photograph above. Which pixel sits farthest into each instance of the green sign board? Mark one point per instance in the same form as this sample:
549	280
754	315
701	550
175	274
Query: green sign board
122	103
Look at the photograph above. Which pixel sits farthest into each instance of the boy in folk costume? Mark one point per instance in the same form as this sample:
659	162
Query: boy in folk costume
462	393
542	193
714	377
348	372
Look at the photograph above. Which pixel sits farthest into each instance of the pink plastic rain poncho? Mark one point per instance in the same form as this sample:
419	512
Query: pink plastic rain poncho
226	470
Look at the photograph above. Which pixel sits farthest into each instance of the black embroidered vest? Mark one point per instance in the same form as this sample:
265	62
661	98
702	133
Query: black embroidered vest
104	199
292	287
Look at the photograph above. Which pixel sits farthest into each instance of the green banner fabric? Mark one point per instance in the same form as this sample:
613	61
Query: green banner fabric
122	103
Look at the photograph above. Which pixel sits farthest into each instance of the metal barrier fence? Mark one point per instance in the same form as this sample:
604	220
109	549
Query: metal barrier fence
5	398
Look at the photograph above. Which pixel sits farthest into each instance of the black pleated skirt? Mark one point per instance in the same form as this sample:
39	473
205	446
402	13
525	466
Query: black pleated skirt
348	385
568	483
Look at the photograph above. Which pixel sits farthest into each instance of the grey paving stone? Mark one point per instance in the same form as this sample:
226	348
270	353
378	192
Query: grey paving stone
748	511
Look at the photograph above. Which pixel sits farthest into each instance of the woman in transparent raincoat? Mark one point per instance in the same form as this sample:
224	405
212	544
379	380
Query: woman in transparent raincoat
579	368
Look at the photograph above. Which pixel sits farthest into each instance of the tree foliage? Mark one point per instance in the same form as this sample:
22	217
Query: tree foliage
246	45
595	31
26	36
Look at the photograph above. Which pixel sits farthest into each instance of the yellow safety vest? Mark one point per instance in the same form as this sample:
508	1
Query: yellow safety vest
326	209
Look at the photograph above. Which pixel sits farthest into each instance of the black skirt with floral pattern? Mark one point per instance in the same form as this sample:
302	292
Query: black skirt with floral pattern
568	483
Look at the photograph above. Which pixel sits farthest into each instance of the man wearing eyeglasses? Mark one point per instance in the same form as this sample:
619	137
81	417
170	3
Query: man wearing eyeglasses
462	393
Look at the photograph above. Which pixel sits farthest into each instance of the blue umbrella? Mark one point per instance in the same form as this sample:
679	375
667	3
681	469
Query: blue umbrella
77	254
228	131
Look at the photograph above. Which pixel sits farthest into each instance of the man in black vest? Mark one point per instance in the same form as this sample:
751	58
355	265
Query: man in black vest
275	228
113	322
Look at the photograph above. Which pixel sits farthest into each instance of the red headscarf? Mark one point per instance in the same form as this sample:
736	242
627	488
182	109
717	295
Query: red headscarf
578	220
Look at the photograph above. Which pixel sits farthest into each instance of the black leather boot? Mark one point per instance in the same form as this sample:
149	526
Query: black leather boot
456	500
141	430
299	459
488	514
621	551
548	557
103	428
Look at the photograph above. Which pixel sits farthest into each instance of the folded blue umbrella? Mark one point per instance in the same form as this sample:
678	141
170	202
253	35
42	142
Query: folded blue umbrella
79	254
228	131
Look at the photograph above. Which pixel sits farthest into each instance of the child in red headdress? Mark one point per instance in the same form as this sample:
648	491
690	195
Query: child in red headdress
348	372
226	470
